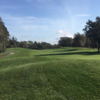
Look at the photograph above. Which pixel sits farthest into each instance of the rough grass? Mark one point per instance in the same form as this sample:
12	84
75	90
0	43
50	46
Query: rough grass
56	74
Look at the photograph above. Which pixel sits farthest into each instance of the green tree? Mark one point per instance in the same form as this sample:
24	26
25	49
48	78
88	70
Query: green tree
4	36
30	44
13	42
23	44
92	31
65	41
79	40
88	43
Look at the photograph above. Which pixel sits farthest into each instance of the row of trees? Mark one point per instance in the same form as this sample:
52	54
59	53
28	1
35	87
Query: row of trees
30	44
7	42
79	40
90	38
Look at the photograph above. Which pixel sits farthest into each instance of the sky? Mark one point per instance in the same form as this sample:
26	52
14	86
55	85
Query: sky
47	20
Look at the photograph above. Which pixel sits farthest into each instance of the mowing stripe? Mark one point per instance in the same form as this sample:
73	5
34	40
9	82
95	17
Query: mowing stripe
24	65
20	66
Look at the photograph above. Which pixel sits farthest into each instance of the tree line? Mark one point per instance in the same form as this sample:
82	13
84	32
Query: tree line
30	44
90	38
79	40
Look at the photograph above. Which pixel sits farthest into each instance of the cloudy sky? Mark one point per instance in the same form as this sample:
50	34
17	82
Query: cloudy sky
47	20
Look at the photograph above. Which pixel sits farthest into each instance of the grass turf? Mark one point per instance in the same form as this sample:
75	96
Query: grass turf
55	74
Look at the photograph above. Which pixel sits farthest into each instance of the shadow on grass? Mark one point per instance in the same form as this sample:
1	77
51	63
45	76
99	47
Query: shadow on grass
67	50
72	53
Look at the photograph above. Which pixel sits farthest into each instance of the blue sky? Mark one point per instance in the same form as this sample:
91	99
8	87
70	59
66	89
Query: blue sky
47	20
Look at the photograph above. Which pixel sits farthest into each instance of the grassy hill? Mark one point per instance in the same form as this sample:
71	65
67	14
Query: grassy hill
55	74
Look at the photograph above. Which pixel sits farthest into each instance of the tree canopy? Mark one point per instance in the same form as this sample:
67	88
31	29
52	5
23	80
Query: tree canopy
79	40
65	41
4	36
92	31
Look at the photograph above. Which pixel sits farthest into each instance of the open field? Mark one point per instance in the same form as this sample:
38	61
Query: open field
55	74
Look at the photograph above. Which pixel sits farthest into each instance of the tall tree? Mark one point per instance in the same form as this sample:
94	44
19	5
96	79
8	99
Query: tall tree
92	31
4	36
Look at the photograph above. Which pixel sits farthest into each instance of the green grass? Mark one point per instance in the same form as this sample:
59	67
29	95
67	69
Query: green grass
55	74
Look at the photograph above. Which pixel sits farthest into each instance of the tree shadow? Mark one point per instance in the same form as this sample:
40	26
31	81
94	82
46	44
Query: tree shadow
72	53
67	50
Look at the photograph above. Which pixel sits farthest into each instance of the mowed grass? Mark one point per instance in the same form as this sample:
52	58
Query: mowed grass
55	74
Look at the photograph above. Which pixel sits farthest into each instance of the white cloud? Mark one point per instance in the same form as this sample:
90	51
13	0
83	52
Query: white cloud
83	15
62	33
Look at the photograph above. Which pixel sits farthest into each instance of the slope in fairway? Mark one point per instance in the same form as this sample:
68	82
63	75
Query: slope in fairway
55	74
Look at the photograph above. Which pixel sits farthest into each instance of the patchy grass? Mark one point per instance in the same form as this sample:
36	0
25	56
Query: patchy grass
56	74
7	53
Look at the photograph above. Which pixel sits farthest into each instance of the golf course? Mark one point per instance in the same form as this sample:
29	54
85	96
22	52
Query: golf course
68	73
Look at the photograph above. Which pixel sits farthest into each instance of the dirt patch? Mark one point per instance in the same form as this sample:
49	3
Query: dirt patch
11	53
7	53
